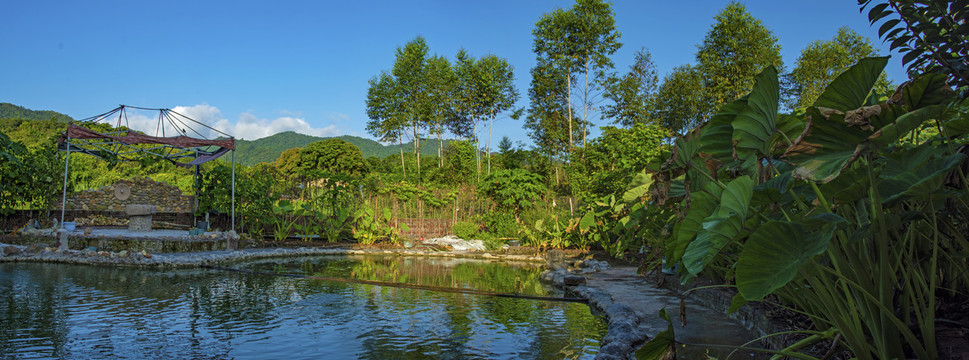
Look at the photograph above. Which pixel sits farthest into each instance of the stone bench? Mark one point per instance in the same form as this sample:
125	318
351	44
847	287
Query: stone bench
139	217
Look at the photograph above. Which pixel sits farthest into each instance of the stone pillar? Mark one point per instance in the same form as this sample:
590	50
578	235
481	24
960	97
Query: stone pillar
62	240
139	217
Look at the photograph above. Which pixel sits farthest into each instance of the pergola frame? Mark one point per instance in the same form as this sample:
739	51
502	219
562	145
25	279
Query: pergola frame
128	145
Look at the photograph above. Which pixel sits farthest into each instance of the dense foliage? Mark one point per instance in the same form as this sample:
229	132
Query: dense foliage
824	189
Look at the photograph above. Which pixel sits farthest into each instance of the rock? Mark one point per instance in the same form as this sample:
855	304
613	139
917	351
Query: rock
11	250
146	254
457	244
33	248
556	259
123	253
573	280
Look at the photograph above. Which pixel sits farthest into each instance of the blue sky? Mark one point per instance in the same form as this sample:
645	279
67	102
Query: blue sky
255	68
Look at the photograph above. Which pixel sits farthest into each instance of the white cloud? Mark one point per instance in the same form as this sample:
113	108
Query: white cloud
248	126
337	116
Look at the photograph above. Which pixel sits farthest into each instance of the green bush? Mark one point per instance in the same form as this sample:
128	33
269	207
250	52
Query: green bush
464	229
501	224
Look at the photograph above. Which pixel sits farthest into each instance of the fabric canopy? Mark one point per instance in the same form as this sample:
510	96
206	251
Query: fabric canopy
132	138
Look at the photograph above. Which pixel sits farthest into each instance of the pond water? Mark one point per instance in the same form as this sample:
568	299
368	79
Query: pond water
74	311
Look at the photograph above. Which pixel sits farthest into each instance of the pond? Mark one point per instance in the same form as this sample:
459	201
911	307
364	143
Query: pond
75	311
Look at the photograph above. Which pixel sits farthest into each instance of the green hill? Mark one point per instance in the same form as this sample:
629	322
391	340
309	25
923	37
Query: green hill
267	149
11	111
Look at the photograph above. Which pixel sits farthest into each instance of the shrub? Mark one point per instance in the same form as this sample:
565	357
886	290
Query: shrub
464	229
501	224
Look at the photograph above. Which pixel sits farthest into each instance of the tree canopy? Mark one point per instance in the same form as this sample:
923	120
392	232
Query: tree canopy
822	61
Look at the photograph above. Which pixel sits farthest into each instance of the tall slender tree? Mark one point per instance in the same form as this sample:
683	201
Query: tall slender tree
498	92
409	71
441	86
386	112
633	95
576	42
680	101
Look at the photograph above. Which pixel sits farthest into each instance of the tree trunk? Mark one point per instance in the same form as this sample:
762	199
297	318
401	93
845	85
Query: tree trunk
400	141
417	146
491	126
440	148
477	147
585	109
568	80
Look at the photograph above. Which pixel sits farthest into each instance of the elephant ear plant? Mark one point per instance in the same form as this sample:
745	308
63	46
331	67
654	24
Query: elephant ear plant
853	213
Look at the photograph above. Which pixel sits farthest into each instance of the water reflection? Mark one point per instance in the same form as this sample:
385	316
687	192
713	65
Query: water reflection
70	311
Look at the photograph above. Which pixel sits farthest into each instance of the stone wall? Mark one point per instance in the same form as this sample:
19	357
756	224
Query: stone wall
166	198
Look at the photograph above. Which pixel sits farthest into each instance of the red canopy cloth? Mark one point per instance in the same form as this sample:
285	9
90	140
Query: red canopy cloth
80	132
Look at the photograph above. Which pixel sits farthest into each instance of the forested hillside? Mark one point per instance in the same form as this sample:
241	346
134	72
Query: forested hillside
268	148
11	111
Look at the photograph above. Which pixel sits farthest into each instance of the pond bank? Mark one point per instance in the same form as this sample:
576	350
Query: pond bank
629	302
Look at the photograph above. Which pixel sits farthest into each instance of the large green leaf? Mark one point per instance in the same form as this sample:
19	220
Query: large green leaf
774	253
826	146
850	89
926	90
718	132
638	187
686	148
915	173
904	124
754	127
773	190
702	205
850	186
587	222
718	229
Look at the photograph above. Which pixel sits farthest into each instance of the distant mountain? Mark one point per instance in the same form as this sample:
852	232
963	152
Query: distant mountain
267	149
11	111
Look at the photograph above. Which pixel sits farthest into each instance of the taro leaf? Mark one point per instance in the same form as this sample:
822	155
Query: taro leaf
773	190
718	229
904	124
686	148
789	127
926	90
754	127
717	137
638	187
702	205
677	189
959	125
850	89
906	177
774	253
736	303
587	222
850	186
826	147
661	345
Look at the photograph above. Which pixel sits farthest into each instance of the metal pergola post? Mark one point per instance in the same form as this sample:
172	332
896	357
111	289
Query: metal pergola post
233	187
67	161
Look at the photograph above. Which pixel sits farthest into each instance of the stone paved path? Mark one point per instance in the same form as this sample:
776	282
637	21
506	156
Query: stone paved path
633	304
